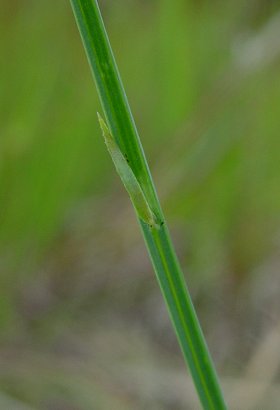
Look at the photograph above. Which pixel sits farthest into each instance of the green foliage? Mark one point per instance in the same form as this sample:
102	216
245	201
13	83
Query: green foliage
203	82
137	180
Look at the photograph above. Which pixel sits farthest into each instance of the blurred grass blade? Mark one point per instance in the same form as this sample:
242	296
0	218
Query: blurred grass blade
169	274
7	402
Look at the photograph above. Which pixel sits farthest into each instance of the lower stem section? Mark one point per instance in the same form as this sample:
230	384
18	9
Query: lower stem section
183	316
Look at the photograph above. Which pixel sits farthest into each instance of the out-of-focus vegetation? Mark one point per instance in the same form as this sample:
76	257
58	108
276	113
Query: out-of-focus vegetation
83	325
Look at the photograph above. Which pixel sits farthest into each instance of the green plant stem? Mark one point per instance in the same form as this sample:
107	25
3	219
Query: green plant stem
168	272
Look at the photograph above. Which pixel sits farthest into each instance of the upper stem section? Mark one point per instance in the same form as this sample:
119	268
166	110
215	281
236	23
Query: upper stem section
112	95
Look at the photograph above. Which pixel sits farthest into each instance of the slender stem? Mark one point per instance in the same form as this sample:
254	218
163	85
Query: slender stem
166	266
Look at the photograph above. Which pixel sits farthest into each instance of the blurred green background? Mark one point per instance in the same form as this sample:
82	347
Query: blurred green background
82	322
